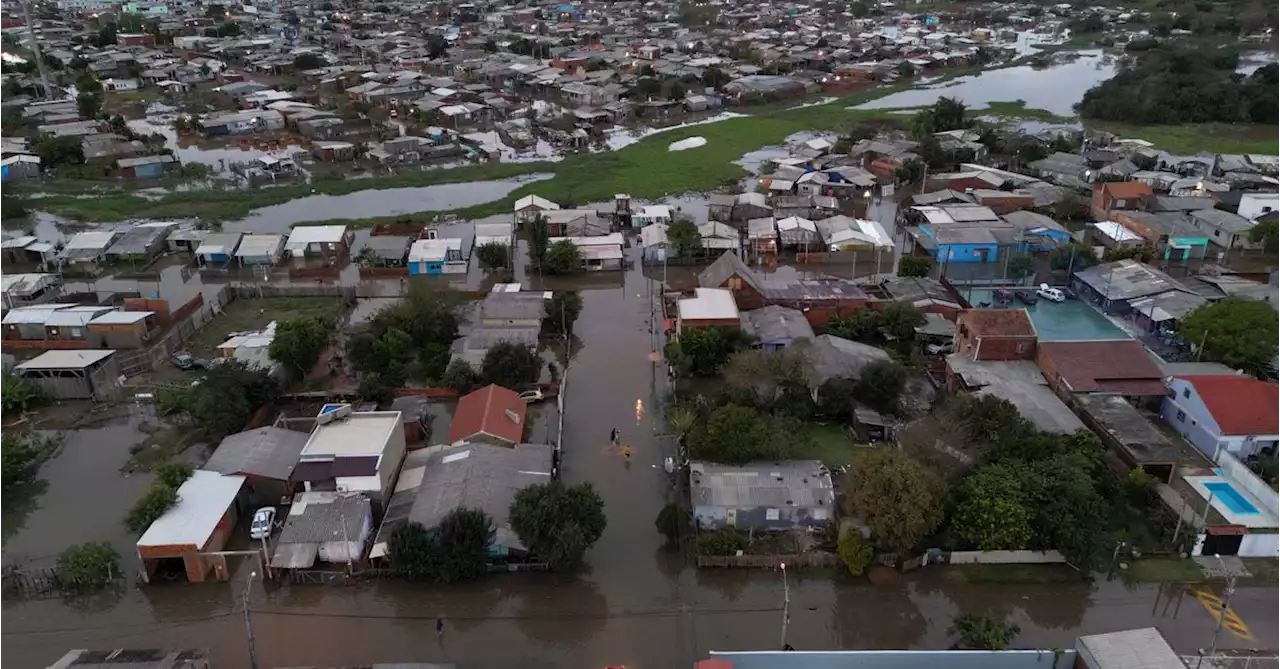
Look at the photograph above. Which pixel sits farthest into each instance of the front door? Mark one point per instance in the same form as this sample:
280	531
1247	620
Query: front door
731	519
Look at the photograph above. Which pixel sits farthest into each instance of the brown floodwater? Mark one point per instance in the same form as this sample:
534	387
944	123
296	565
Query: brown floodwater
635	603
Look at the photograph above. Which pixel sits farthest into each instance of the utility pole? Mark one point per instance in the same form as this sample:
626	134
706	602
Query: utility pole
1222	614
786	605
35	50
248	623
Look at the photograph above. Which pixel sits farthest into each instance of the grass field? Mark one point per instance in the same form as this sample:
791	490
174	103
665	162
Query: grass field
249	314
1018	110
1193	139
1164	570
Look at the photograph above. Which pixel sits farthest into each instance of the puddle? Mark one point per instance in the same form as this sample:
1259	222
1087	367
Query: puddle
386	202
1056	88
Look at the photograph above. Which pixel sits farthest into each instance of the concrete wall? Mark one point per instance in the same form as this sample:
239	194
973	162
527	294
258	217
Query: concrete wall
1007	557
901	659
1260	545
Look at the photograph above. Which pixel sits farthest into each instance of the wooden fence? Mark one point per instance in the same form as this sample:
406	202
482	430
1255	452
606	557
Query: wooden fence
44	583
142	361
811	559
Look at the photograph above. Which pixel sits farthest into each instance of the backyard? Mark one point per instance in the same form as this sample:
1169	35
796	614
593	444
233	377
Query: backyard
253	314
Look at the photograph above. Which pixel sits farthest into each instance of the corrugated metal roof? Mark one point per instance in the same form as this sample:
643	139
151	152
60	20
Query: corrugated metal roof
202	501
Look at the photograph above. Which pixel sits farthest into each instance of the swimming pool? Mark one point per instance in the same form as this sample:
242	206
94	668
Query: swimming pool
1226	494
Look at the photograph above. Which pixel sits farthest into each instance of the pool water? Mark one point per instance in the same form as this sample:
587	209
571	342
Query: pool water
1072	320
1230	498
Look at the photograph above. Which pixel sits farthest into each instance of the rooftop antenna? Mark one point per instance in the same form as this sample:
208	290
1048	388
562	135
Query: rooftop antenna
35	49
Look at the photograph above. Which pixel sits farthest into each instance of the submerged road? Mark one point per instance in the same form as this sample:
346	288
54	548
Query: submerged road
636	604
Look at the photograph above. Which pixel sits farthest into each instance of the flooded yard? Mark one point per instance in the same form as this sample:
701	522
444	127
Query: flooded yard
82	495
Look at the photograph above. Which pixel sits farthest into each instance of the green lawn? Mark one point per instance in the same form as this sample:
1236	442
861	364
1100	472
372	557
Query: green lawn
251	314
829	444
1017	110
1191	139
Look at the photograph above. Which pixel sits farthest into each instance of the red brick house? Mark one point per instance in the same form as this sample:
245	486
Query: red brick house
995	334
1118	196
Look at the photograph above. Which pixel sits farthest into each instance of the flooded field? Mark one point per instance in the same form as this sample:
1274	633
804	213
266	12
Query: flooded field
1056	88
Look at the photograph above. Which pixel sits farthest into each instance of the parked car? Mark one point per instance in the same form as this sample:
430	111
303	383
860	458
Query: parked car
940	349
1051	294
264	522
531	396
186	362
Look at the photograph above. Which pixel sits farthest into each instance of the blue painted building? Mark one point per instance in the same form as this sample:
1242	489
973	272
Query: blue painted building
428	257
948	244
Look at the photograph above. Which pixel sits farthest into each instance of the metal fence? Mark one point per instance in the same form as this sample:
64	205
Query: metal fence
146	360
44	583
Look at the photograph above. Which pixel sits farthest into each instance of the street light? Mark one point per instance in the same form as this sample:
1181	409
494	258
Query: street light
786	604
248	622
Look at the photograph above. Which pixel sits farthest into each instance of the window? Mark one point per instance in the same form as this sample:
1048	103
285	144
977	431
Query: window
1182	416
1186	392
1022	347
735	283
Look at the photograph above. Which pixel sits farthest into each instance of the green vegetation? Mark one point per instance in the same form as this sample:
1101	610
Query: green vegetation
1238	333
855	551
409	339
899	499
88	565
298	344
704	351
20	458
830	445
721	542
558	523
245	314
158	499
982	632
562	311
18	395
510	365
1174	84
222	403
914	266
1164	570
673	521
493	255
1194	138
456	550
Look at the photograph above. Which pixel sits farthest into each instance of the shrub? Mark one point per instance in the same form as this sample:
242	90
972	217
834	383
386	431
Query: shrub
855	551
721	542
92	564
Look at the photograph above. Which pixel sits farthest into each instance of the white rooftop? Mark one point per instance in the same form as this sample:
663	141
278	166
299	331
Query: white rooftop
304	235
65	359
361	433
120	317
202	501
1142	648
1116	231
253	245
709	303
90	240
433	249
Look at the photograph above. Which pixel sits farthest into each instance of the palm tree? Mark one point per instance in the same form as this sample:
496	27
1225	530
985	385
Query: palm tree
985	632
681	421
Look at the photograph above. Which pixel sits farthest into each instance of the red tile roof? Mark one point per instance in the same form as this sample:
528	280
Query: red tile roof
485	411
1124	190
1240	405
1121	366
998	322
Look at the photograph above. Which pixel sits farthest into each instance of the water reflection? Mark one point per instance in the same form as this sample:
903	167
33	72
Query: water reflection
561	610
1056	88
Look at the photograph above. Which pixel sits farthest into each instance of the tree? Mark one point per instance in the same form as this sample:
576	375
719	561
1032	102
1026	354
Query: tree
58	151
984	417
436	46
562	311
228	29
766	375
376	388
223	402
89	105
985	632
949	114
19	456
906	70
1021	265
714	77
173	474
510	365
863	325
298	344
558	523
683	237
563	257
880	384
307	61
672	520
460	377
704	351
148	509
493	255
1072	257
1236	332
854	551
1266	234
915	266
835	399
681	420
735	435
721	542
19	395
897	498
910	172
415	552
464	541
1142	253
490	46
434	360
990	512
88	565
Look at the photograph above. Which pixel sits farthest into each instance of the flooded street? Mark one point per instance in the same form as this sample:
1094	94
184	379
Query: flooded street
636	603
